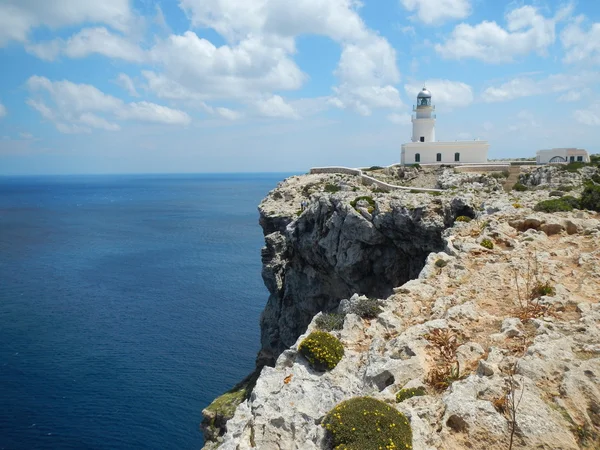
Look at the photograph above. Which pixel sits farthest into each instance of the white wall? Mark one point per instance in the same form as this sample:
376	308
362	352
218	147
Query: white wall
423	127
544	156
470	152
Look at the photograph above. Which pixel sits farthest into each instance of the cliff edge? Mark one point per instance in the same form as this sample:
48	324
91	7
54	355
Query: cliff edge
482	300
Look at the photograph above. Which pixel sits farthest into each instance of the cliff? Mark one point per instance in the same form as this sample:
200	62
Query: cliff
462	321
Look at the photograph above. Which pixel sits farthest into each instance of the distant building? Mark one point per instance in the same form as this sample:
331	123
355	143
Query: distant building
424	149
562	155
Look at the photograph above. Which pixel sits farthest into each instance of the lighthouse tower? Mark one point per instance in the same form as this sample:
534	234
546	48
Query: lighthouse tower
424	119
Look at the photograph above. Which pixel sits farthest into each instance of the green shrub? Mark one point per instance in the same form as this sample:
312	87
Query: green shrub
332	188
575	203
322	350
596	178
487	244
373	168
330	321
367	308
463	219
366	198
519	187
590	197
405	394
542	289
441	263
595	159
565	188
379	191
554	205
499	175
574	166
364	423
417	166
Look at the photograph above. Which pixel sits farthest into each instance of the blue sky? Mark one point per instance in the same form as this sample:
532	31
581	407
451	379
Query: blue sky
126	86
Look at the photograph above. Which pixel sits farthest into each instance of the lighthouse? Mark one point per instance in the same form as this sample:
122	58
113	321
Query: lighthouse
424	149
423	121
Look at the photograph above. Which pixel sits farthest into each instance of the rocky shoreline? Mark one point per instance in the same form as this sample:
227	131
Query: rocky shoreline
436	277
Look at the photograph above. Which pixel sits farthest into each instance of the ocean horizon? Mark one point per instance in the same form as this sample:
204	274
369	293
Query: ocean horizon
128	302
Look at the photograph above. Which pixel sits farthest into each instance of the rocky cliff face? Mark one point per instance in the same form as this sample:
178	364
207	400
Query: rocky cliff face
443	294
336	248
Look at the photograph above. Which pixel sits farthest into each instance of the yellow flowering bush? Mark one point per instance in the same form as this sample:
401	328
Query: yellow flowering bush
405	394
322	350
364	423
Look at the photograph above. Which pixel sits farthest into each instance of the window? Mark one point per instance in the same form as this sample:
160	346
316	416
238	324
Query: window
580	158
422	139
572	159
417	157
457	157
438	157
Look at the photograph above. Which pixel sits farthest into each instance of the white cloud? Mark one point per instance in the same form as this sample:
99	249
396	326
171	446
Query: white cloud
126	83
527	86
580	45
26	135
400	119
76	107
275	106
526	121
526	31
589	116
443	92
433	12
2	110
257	59
86	42
19	17
571	96
227	113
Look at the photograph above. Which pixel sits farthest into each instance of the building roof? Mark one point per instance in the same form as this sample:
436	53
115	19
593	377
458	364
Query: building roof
424	94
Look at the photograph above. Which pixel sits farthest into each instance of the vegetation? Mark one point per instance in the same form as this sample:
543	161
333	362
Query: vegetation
574	166
364	423
500	175
441	263
529	287
487	244
322	350
565	188
373	168
595	159
367	308
517	205
379	191
463	219
405	394
330	321
332	188
590	197
447	370
519	187
365	198
541	289
553	205
417	166
596	178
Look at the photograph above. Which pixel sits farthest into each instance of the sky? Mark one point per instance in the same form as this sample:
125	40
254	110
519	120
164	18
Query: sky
160	86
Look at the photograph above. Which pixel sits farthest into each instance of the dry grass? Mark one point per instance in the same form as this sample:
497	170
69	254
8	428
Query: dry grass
530	285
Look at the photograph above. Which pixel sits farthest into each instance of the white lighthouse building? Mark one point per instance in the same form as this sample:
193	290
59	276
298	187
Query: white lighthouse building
424	149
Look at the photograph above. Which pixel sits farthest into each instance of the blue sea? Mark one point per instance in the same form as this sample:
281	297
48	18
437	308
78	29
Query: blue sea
127	304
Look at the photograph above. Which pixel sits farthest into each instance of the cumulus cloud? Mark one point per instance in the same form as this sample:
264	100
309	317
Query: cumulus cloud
86	42
19	17
444	92
527	86
433	12
79	108
275	106
400	119
526	31
581	45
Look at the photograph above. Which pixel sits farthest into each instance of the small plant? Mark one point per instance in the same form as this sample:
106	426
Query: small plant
574	166
441	377
466	219
434	193
512	403
565	188
553	205
367	308
373	168
330	321
379	191
332	188
417	166
405	394
322	350
441	263
590	197
520	187
596	178
541	289
486	243
365	198
517	205
364	423
500	175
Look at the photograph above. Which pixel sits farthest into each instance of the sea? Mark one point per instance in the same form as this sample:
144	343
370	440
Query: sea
127	304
